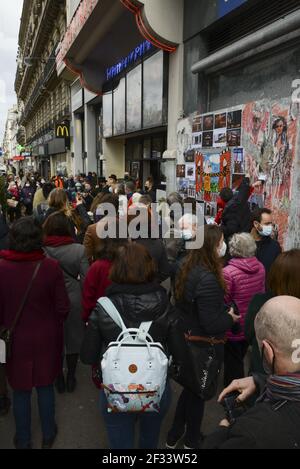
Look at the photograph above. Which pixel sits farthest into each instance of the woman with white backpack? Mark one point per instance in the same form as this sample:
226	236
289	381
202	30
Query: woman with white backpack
132	333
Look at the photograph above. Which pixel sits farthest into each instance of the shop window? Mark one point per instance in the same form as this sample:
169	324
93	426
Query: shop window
153	90
134	99
107	115
158	147
119	108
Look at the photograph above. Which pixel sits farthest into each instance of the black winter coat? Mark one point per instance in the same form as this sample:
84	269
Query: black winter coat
267	252
203	310
136	304
236	217
262	427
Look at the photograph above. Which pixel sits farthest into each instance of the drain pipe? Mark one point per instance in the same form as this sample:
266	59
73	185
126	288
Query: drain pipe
273	31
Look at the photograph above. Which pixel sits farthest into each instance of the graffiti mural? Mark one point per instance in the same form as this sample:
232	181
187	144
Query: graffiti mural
269	141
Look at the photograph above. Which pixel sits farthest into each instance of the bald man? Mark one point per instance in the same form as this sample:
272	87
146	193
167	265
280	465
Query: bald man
274	422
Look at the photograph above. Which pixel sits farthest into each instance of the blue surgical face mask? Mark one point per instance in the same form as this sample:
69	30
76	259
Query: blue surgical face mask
266	231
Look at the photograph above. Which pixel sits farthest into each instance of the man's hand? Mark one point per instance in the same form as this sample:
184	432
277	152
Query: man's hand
224	423
246	387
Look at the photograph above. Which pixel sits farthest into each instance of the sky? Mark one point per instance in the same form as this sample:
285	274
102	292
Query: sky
10	15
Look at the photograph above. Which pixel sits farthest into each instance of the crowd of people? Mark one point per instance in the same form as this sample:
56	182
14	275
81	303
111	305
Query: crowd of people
235	296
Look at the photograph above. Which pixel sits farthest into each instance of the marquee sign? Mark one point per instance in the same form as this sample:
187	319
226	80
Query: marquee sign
125	62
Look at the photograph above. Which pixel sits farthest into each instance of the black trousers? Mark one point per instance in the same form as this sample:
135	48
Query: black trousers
235	353
188	418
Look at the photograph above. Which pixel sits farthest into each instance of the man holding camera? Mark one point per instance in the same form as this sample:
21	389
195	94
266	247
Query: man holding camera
274	421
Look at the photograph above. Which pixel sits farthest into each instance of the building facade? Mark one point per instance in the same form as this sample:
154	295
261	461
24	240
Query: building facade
241	93
127	97
44	99
10	144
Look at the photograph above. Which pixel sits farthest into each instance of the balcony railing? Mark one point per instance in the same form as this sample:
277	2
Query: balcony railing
49	68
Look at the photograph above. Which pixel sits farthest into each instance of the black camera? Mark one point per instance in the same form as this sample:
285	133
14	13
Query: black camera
233	408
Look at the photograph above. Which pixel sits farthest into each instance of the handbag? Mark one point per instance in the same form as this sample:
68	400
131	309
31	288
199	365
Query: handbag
6	334
12	203
202	370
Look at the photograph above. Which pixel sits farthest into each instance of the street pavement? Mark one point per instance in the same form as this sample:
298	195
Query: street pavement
80	425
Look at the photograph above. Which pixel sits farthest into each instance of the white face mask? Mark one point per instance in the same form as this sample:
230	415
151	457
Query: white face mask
223	250
266	231
187	235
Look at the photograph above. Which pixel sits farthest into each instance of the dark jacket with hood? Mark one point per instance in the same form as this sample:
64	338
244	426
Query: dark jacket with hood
136	304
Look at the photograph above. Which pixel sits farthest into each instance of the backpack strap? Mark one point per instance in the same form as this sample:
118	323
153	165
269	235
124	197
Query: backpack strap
114	314
112	311
143	331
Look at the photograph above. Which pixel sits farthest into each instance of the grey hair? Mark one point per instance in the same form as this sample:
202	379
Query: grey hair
242	245
174	198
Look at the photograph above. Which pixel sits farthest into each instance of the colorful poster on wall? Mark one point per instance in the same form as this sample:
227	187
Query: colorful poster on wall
213	172
238	161
199	170
269	140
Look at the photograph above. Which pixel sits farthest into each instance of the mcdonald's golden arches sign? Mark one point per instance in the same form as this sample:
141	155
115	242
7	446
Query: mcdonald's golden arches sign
62	130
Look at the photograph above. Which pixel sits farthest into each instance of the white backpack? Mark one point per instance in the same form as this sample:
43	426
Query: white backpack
134	368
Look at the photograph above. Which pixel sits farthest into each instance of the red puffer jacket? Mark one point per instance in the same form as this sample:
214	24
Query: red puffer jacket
244	279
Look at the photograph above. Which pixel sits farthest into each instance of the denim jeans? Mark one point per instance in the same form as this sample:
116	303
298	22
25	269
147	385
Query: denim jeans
121	426
22	413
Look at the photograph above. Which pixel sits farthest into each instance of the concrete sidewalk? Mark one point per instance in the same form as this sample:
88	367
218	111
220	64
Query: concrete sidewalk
80	423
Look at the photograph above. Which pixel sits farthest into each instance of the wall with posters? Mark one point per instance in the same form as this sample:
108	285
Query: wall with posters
260	139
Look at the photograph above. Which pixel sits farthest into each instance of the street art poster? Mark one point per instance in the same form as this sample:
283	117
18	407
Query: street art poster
182	186
197	124
208	122
207	139
190	172
221	120
220	138
239	161
234	137
234	119
197	140
269	140
213	173
180	171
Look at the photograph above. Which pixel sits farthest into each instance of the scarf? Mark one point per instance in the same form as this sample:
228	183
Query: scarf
17	256
56	241
284	388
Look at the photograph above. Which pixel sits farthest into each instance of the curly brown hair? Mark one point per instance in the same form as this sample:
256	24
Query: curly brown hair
207	257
